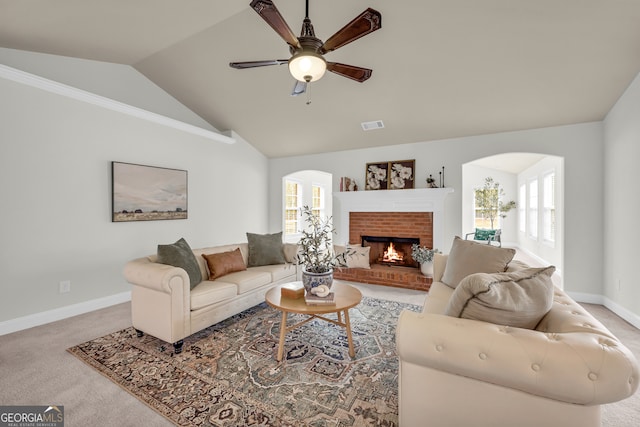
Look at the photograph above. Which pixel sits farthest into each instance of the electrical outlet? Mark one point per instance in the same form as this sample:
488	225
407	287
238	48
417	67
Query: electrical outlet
65	286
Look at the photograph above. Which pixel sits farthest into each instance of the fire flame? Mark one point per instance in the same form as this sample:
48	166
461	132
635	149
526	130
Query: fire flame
390	255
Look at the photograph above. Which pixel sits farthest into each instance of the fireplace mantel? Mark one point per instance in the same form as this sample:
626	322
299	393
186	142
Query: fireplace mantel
413	200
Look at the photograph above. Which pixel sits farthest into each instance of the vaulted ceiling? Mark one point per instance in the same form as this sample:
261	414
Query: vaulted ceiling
441	68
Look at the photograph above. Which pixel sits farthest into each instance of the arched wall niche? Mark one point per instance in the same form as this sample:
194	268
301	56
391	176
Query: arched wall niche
307	179
512	171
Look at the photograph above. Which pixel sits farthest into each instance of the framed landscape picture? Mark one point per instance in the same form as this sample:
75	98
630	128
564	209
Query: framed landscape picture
147	193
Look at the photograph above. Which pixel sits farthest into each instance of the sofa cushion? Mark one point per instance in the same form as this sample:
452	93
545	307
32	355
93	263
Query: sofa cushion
224	263
519	299
278	271
248	280
208	292
179	254
467	257
265	249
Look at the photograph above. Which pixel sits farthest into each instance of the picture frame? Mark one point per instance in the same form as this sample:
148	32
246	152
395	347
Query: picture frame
401	174
147	193
395	175
376	176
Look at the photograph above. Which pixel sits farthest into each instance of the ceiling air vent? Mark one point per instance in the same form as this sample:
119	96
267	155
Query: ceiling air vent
377	124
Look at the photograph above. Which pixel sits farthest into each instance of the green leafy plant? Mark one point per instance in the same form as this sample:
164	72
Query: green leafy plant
316	252
488	201
422	254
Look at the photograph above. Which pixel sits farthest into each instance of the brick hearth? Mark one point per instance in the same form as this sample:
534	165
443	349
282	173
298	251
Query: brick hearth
399	277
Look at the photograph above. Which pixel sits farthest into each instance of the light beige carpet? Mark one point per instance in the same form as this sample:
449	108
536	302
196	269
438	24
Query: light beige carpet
36	369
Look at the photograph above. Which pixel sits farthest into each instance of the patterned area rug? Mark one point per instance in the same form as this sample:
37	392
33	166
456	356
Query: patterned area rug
227	374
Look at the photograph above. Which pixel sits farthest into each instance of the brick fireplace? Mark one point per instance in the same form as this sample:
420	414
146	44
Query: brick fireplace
401	216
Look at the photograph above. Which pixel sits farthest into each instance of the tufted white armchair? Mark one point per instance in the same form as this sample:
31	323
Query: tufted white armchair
459	372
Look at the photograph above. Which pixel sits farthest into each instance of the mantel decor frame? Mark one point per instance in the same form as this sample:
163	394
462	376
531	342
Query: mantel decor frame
148	193
395	175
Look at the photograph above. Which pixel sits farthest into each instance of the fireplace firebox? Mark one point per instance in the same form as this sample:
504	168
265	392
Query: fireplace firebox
391	251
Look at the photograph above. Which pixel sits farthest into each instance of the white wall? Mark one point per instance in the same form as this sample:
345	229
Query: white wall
622	201
581	145
55	155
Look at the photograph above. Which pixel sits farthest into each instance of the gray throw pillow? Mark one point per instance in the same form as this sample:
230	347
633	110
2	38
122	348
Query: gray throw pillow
179	254
467	257
520	298
265	249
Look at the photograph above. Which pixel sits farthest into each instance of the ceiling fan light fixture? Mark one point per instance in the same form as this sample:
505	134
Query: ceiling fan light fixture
307	66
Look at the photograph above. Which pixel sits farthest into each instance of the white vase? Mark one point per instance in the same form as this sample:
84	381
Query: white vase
427	268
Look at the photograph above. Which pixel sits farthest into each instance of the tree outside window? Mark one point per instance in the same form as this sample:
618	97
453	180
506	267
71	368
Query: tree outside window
489	207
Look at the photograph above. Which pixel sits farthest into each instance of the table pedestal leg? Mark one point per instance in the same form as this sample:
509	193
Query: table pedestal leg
347	324
283	333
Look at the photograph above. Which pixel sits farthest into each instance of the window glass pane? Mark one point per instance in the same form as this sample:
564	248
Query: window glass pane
317	200
533	208
522	203
549	215
292	209
482	217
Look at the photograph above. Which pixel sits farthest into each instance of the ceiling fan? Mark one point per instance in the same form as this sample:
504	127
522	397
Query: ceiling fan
307	63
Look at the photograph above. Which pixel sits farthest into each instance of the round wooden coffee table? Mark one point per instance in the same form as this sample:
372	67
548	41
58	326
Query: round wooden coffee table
346	296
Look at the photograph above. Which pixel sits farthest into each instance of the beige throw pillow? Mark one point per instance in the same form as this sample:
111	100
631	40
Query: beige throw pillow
519	299
358	257
467	257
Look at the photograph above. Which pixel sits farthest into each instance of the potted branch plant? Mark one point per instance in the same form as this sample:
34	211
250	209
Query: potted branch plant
315	253
424	256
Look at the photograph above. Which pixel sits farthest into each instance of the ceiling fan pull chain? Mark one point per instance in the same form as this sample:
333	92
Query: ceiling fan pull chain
308	93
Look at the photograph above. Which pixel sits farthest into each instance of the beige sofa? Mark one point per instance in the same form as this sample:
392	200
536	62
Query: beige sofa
461	372
164	306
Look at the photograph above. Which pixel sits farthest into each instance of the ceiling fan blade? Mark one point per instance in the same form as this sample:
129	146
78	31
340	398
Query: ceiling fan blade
268	11
254	64
299	88
367	22
352	72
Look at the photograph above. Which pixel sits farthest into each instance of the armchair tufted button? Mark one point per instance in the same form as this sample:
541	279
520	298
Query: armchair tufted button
535	367
439	347
482	356
593	376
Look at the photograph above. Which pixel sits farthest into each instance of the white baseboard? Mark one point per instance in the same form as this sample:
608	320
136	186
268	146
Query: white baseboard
37	319
619	310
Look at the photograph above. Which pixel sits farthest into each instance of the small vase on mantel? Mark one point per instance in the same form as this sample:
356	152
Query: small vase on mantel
426	268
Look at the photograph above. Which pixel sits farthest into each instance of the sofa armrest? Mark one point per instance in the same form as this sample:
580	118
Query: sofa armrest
160	299
579	368
439	264
155	276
